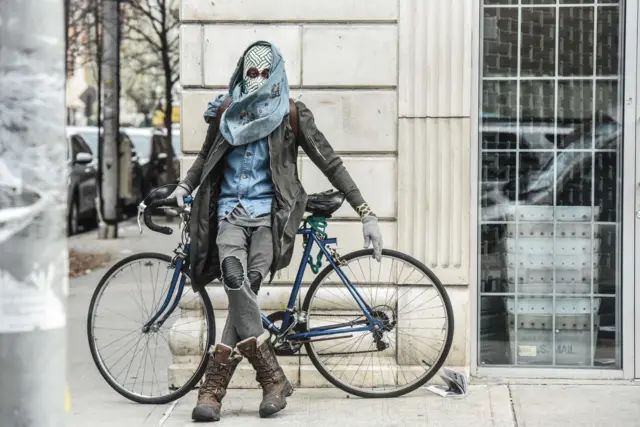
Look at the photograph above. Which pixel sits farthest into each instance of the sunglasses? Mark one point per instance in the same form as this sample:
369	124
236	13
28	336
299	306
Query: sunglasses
253	73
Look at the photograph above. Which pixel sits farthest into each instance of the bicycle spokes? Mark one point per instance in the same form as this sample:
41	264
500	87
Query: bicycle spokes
159	316
136	318
404	338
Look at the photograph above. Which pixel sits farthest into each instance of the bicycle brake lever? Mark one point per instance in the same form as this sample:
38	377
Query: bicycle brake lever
141	208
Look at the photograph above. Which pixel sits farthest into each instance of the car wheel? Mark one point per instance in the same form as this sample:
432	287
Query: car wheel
91	222
73	220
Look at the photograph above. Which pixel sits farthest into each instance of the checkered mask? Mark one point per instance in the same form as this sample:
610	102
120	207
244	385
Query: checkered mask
257	62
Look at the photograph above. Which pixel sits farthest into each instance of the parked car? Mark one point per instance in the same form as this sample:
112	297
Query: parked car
164	191
90	135
153	153
82	184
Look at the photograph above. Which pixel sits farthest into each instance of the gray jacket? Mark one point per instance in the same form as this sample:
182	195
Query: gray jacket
289	201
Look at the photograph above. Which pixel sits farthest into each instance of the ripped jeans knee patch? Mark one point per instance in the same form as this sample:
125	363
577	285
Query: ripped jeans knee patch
232	272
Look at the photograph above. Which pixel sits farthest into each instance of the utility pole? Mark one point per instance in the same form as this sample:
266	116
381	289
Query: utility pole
33	205
109	199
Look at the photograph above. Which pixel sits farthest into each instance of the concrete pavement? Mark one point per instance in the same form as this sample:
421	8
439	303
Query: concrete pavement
522	404
130	240
487	405
93	402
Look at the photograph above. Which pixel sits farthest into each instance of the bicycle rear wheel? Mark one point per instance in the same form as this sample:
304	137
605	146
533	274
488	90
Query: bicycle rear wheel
135	361
411	303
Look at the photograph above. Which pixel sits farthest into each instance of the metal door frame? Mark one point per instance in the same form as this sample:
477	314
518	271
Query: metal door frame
631	197
630	353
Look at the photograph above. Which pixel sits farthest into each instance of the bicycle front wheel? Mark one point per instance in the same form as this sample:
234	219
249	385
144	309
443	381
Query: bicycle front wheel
413	308
136	361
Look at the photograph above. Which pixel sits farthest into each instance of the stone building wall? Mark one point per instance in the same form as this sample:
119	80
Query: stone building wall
389	82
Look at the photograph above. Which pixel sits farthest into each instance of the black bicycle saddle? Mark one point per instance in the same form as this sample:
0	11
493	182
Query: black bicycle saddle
324	204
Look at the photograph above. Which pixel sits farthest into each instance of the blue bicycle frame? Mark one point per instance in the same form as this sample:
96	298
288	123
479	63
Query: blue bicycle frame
170	292
370	322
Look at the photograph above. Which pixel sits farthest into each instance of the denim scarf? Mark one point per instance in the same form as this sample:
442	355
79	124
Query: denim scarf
251	117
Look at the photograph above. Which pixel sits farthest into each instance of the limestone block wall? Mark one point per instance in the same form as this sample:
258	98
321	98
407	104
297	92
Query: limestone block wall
389	84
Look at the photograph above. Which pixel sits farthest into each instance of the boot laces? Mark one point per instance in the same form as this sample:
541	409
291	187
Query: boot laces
214	381
266	372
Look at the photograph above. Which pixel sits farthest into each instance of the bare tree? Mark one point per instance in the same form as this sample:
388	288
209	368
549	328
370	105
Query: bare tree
82	44
149	47
151	31
81	21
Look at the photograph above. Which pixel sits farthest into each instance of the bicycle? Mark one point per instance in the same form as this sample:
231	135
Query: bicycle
370	326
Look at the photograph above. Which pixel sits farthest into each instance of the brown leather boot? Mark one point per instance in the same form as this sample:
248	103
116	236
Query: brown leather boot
275	386
222	364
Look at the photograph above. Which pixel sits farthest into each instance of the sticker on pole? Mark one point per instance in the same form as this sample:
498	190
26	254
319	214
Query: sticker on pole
31	304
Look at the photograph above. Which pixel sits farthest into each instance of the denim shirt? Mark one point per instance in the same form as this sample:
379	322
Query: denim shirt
247	180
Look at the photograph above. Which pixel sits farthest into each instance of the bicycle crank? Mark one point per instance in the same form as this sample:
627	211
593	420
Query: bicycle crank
281	346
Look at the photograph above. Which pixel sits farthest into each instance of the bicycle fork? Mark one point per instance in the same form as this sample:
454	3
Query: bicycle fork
152	325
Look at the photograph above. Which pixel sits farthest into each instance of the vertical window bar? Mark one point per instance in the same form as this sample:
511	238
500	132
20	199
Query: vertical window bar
516	327
555	181
619	171
593	256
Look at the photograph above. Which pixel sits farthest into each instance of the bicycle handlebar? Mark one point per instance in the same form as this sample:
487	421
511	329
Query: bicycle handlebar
172	203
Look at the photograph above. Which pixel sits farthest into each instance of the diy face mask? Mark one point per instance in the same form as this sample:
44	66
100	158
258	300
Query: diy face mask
257	64
259	93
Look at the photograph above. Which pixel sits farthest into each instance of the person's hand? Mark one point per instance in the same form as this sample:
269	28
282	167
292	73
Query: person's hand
372	235
179	194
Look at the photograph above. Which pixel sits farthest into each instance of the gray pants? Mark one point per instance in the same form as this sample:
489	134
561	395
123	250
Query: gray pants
246	254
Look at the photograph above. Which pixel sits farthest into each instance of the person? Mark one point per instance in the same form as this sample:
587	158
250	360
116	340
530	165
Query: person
247	209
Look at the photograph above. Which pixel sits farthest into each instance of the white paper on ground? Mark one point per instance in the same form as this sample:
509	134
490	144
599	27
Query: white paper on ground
456	384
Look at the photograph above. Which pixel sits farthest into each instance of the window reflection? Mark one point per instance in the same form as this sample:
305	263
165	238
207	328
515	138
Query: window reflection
550	138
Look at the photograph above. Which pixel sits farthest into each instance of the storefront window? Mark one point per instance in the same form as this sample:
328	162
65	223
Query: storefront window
550	175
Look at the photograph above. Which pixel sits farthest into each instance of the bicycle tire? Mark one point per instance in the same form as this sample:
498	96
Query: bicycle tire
436	366
208	307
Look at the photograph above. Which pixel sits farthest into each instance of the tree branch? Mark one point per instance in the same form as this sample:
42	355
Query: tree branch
173	44
152	43
174	65
148	12
173	26
141	66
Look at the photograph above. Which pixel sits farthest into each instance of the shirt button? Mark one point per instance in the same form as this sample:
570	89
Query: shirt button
244	176
248	153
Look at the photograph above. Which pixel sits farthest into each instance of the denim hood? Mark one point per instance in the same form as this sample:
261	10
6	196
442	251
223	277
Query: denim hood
253	116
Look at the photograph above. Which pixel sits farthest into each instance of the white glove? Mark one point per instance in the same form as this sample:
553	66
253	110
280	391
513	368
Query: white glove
179	194
372	235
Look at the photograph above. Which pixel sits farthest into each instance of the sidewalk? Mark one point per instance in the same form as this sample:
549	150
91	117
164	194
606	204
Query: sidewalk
93	402
129	240
485	406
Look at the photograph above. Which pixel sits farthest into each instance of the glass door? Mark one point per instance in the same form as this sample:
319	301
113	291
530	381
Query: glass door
550	234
